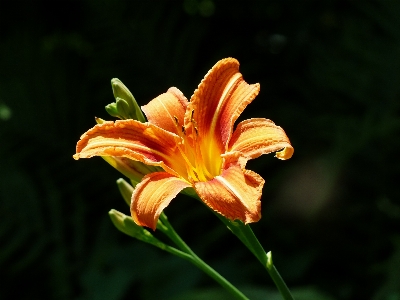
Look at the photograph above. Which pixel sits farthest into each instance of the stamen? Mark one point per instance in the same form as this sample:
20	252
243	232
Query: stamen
197	176
177	126
192	118
206	173
196	169
189	166
183	150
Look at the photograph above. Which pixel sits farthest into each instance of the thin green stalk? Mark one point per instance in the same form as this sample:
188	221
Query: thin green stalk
252	241
278	280
177	252
248	238
265	259
167	228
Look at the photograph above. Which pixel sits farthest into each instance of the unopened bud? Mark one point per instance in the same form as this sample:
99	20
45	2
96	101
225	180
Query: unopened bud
124	109
125	189
126	106
112	110
126	225
134	170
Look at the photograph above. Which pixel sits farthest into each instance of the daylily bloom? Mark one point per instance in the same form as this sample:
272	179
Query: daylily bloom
194	143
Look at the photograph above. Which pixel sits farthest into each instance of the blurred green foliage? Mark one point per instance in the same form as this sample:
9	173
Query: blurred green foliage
329	74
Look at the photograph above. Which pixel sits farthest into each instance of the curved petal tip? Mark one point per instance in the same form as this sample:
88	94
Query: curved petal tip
285	153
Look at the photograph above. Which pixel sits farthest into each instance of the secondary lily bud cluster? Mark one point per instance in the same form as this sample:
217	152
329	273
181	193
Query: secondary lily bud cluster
125	105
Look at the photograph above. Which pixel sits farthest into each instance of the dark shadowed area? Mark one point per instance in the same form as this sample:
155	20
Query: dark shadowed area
329	74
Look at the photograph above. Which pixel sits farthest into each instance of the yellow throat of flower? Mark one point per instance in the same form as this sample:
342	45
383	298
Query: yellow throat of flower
202	158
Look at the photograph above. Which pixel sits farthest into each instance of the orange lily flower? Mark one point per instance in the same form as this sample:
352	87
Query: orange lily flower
195	144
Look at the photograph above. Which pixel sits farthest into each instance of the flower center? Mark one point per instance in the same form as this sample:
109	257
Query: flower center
192	153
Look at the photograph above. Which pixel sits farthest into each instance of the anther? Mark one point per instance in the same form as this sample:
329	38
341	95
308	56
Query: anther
176	120
197	131
195	174
192	118
183	130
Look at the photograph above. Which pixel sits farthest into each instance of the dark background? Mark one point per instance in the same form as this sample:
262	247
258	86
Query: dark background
329	74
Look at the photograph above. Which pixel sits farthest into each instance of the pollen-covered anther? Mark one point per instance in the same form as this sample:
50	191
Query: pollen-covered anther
192	118
181	129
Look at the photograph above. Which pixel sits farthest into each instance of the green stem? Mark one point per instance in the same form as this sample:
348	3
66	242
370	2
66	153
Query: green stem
278	280
265	258
176	252
253	243
248	238
167	228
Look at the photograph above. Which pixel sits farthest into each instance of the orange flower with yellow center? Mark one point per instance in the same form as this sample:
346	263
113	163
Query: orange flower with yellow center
194	143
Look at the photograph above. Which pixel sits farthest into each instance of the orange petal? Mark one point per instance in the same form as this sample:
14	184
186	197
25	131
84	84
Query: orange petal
234	194
217	103
162	110
254	137
143	142
152	195
220	98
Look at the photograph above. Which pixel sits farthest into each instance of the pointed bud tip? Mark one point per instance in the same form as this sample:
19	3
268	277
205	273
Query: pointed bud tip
99	120
116	217
115	81
125	189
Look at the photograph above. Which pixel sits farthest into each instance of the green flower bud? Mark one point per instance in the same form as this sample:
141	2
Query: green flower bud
125	189
126	225
124	109
120	90
134	170
112	110
126	106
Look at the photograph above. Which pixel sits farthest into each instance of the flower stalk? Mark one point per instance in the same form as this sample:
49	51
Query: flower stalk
126	225
248	238
169	231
